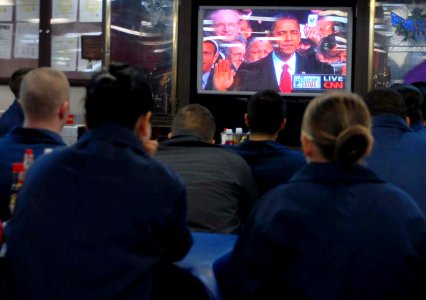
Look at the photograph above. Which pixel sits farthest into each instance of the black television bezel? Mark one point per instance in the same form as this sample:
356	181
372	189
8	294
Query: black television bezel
242	95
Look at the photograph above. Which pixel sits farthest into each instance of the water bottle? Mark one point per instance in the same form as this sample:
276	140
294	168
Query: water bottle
229	137
238	135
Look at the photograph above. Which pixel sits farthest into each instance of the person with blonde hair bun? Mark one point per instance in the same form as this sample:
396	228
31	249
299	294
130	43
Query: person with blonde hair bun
336	128
335	230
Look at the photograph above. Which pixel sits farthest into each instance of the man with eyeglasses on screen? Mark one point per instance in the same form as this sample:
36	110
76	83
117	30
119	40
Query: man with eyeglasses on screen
257	48
274	71
235	54
210	55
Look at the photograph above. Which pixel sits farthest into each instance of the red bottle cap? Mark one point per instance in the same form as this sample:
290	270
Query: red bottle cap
70	119
18	167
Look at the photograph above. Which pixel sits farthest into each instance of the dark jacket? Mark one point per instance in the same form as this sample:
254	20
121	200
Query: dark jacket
331	233
399	156
419	128
221	189
11	118
12	149
270	162
260	74
209	83
97	220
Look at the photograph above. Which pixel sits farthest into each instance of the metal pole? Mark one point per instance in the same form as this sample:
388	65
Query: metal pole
106	17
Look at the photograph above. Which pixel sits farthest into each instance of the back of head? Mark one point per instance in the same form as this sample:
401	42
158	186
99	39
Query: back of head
339	124
385	101
194	118
119	95
43	91
421	85
16	79
413	99
266	111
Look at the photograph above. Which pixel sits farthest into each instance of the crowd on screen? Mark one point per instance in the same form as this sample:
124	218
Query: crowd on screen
237	57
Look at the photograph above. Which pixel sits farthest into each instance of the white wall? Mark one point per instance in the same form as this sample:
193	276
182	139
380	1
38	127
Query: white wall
6	97
76	100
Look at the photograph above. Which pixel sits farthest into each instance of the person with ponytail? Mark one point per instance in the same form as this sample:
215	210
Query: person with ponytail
335	230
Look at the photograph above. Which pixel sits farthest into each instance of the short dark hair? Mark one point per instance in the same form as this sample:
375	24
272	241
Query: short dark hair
385	101
194	118
16	79
283	16
266	110
413	99
421	85
214	43
119	94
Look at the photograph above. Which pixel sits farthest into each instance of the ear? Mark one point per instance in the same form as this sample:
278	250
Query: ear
216	56
282	125
64	110
306	146
170	135
246	120
408	120
143	126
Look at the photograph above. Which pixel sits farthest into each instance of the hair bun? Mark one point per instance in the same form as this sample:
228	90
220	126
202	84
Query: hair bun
351	144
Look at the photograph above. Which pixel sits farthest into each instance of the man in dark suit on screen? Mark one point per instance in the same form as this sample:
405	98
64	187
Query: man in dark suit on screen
210	55
276	70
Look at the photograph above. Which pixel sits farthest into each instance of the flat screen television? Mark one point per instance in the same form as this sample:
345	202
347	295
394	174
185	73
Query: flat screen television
297	51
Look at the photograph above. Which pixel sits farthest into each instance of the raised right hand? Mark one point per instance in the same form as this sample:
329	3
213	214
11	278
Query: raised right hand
223	76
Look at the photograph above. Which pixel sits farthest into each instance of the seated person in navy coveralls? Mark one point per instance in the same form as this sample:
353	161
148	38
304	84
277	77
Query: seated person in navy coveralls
271	163
221	188
399	153
335	230
45	93
421	85
413	99
13	116
101	219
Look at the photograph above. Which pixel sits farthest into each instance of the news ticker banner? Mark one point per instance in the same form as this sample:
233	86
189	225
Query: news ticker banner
318	82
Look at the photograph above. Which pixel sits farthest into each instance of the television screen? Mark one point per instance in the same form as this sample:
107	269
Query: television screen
296	51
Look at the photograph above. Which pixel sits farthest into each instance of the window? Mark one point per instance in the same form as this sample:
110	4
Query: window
48	33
